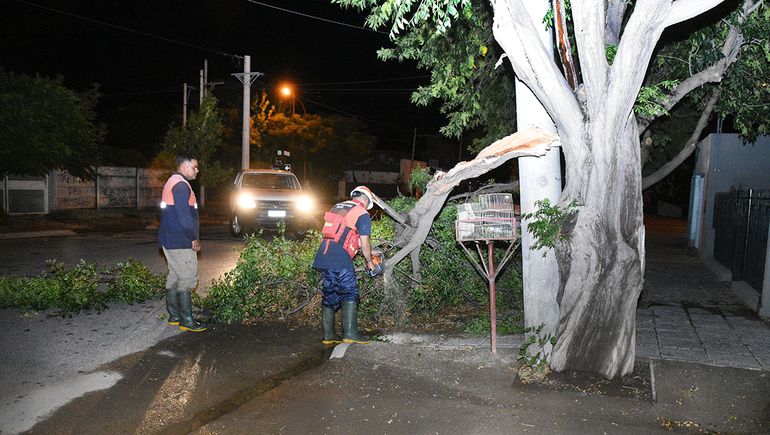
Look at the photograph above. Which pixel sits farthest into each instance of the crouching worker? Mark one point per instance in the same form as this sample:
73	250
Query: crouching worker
347	228
178	237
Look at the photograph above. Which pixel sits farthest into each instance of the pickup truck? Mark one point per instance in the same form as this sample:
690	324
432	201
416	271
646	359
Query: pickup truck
263	198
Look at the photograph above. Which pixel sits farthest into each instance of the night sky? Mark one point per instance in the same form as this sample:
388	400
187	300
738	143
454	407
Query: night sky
335	67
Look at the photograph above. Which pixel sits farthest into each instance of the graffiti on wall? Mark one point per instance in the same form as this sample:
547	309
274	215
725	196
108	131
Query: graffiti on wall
118	187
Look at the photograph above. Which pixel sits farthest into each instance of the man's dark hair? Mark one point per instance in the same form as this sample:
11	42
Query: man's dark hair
358	194
183	158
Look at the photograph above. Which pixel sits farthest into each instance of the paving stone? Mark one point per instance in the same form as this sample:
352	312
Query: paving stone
694	355
647	352
678	335
728	350
681	344
712	322
744	362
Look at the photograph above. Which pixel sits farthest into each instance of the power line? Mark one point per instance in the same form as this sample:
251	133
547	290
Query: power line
353	115
302	14
365	81
126	29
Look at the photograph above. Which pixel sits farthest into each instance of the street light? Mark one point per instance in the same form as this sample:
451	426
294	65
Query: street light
287	91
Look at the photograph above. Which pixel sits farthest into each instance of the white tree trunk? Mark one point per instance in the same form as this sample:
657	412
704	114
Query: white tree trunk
602	263
540	179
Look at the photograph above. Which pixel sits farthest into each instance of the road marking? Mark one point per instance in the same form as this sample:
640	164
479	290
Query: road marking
339	350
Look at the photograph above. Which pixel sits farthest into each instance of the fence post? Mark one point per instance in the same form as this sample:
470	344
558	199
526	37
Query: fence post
96	183
136	178
764	297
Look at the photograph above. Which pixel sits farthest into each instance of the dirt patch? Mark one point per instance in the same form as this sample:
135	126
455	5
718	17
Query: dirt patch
636	385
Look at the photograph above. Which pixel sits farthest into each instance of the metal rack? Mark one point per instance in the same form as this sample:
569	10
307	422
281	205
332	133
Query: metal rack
488	218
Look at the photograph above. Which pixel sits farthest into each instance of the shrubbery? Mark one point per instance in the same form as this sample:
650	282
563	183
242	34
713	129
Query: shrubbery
270	278
78	288
275	277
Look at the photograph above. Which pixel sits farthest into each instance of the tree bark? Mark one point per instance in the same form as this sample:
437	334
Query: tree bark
601	265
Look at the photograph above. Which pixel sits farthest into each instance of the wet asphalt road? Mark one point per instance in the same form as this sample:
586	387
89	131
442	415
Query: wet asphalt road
48	360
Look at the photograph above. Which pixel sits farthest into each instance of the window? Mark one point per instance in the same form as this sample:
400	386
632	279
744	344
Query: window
270	181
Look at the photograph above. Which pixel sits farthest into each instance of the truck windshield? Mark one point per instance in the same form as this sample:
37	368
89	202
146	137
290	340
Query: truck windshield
270	181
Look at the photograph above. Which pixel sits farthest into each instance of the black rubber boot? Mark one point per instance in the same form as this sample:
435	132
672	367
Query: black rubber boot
172	306
186	320
350	332
330	331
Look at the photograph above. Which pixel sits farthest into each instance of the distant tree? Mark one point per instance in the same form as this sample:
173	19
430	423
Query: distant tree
202	137
47	126
314	141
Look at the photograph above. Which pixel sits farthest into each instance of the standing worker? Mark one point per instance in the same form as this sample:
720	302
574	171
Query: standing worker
179	239
346	228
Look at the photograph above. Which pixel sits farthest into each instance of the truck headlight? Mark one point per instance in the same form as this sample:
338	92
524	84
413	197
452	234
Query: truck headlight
246	202
305	204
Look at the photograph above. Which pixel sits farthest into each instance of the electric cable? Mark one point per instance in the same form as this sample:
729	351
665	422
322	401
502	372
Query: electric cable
302	14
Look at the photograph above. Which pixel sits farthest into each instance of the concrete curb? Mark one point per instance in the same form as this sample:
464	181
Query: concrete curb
34	234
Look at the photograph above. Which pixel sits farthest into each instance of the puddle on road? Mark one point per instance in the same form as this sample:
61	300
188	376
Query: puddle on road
247	394
28	409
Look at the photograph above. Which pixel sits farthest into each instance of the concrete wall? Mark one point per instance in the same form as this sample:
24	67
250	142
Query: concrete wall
118	187
725	162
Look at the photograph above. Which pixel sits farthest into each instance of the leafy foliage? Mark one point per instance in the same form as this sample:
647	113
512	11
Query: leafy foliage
47	126
274	277
745	92
271	277
134	282
453	40
74	289
448	281
648	102
546	223
202	137
418	179
539	360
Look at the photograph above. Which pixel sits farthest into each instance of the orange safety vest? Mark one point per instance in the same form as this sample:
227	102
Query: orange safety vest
343	216
167	198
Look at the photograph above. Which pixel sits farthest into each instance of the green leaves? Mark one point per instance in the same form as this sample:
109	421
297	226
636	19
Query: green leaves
202	137
537	361
47	126
271	277
78	288
547	221
649	102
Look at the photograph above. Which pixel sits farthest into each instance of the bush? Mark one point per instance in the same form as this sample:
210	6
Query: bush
271	277
449	281
134	282
74	289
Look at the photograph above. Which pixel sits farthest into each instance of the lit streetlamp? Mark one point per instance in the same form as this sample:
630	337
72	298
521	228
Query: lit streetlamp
287	91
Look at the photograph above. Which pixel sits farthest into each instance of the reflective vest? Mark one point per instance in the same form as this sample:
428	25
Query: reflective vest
342	217
167	198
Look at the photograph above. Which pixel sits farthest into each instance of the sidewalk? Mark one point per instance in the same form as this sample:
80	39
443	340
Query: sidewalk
687	314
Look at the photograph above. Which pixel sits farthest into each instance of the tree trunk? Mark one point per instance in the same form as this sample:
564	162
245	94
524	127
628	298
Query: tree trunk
602	262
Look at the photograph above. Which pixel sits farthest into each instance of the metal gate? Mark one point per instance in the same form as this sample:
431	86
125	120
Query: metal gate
741	220
24	194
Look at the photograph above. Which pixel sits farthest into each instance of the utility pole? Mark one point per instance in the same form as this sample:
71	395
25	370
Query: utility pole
205	76
200	90
184	105
246	77
540	178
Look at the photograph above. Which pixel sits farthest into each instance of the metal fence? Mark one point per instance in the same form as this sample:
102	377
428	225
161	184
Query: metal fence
741	220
